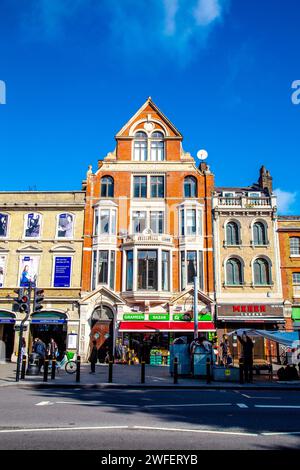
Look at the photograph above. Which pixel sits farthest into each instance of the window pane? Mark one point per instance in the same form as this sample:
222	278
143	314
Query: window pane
233	272
199	215
190	187
156	222
259	236
104	221
157	186
139	221
182	228
103	267
232	234
94	270
140	151
140	186
296	278
112	270
113	222
191	266
165	273
261	272
200	270
157	151
96	231
107	186
147	270
183	270
129	273
191	221
295	246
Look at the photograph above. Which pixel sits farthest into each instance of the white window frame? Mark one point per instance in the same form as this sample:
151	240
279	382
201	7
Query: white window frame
199	220
149	141
184	283
97	283
148	184
148	211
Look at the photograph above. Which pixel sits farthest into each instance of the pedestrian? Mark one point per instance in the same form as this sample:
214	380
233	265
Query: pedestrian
40	349
23	349
225	351
247	355
93	357
52	349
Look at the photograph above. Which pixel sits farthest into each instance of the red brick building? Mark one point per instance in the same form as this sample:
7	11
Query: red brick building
148	232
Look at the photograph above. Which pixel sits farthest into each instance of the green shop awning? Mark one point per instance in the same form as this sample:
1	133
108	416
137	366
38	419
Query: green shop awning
6	317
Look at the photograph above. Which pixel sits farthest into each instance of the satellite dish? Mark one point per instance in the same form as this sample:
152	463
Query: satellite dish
202	154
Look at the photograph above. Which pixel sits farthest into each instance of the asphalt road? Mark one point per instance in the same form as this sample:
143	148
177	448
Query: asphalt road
148	419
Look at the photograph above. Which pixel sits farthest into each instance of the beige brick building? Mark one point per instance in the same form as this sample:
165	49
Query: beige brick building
41	239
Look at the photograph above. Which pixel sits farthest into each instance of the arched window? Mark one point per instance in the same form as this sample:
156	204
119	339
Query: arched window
232	234
234	272
295	246
140	147
259	234
190	186
157	147
107	186
261	269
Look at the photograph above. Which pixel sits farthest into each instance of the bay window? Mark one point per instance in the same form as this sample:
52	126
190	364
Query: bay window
103	267
165	270
103	271
190	221
147	269
105	222
191	265
157	221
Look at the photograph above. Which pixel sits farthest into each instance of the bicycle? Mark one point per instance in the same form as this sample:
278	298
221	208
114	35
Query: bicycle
68	365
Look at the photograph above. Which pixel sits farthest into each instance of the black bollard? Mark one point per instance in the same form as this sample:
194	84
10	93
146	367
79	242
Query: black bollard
78	369
53	369
208	377
46	365
241	365
143	366
175	375
110	371
23	368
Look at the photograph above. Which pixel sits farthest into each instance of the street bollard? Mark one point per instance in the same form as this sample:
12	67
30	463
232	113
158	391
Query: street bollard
110	371
143	366
53	369
241	365
208	378
175	375
78	369
23	368
46	365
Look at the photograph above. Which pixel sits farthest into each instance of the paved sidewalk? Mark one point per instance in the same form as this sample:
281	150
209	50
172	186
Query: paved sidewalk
125	376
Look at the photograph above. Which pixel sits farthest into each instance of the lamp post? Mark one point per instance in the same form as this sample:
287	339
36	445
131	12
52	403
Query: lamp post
195	307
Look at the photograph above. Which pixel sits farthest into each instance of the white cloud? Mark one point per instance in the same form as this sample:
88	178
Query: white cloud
175	28
285	200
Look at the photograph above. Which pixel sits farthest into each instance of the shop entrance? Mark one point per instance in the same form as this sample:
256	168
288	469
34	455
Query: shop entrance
102	331
49	325
7	335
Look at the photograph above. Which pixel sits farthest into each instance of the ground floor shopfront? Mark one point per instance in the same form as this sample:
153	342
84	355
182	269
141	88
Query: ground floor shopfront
233	317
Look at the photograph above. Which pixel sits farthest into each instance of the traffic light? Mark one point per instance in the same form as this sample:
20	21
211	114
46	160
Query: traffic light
22	302
38	299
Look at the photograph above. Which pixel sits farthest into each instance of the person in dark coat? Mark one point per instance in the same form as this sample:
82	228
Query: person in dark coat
93	357
247	356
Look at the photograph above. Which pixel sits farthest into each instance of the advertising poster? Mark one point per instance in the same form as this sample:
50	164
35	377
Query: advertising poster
2	266
29	270
62	271
65	226
3	225
33	225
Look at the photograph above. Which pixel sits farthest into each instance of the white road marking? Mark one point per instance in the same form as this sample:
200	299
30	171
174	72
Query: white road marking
187	404
280	433
44	403
94	404
242	405
278	406
82	428
202	431
244	395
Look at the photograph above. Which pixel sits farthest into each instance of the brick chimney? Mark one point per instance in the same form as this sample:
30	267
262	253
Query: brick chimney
265	180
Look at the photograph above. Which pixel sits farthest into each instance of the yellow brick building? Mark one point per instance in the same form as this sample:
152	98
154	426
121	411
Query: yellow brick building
41	239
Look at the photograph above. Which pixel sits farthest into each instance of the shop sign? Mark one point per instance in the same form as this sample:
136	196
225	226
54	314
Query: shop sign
134	316
250	310
7	320
48	320
205	317
159	317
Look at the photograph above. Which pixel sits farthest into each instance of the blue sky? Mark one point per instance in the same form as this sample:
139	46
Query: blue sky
221	70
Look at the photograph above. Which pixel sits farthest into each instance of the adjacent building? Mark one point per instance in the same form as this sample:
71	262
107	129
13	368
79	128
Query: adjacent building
41	239
248	284
148	232
289	240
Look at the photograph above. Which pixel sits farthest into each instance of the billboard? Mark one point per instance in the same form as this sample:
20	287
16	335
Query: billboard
3	225
32	225
62	271
28	270
65	226
2	267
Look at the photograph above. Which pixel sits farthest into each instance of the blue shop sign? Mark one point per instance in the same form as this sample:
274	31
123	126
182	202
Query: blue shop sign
62	271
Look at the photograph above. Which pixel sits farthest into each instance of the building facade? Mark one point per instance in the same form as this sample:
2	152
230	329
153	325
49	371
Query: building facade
289	240
247	262
41	239
148	232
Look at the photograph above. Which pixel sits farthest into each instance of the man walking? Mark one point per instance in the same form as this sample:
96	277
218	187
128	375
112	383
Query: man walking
247	356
